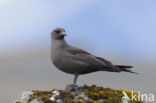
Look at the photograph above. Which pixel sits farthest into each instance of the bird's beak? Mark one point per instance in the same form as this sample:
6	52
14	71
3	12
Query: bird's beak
64	34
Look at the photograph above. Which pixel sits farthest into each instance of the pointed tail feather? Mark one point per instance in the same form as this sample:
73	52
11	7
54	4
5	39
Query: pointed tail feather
126	68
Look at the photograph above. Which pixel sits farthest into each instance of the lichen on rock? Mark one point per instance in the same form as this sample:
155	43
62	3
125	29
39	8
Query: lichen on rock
84	94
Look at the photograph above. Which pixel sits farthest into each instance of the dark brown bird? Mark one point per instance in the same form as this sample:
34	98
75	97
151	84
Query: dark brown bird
76	61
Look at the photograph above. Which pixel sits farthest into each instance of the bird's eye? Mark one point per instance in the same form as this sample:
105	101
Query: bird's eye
57	31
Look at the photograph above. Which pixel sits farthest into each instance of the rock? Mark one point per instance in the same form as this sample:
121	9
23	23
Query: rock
83	94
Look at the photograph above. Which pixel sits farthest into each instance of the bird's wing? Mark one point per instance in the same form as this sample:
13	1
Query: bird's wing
117	68
109	65
84	54
104	60
94	63
75	51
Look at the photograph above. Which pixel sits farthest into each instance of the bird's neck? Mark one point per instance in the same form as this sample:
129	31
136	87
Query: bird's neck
59	43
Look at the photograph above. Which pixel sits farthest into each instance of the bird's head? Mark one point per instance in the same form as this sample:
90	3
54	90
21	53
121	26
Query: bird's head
58	34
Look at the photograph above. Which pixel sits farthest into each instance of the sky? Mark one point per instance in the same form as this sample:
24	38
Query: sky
121	31
127	26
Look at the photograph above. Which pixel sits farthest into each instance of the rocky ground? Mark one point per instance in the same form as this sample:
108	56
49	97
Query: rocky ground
82	94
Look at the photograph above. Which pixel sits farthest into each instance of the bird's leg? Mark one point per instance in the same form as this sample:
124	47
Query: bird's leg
74	82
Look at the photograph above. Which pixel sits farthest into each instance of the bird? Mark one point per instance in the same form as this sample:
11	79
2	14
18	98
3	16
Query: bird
76	61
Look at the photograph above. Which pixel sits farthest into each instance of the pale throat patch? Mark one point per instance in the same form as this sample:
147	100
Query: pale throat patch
62	32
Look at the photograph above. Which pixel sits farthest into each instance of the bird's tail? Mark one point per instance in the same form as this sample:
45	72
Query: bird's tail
125	68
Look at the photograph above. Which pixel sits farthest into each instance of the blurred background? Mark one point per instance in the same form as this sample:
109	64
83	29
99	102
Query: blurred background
122	31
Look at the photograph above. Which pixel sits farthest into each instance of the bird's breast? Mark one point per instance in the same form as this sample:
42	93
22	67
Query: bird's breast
58	59
66	64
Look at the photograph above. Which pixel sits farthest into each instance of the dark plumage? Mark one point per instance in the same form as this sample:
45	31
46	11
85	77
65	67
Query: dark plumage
76	61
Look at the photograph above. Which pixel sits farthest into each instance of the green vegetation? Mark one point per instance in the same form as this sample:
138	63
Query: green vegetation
85	94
